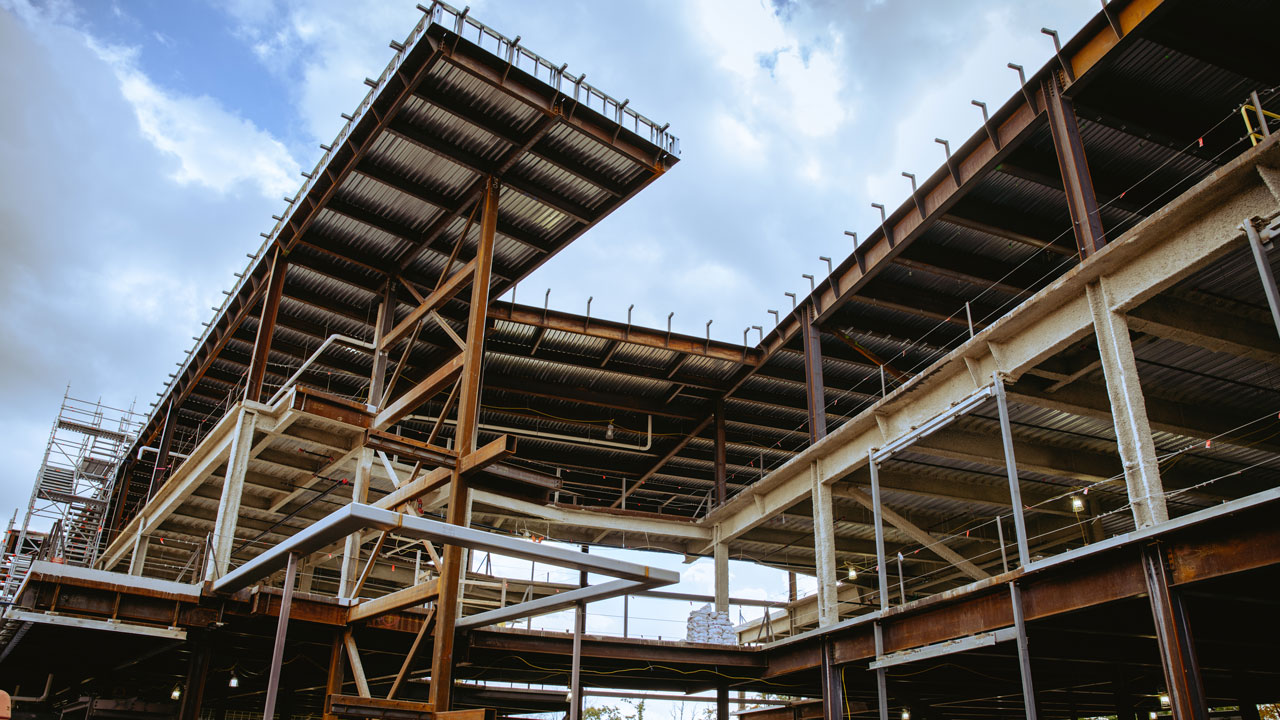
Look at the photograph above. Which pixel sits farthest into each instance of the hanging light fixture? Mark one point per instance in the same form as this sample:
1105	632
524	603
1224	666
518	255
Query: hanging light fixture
906	714
608	432
233	681
853	573
1077	503
176	692
1164	699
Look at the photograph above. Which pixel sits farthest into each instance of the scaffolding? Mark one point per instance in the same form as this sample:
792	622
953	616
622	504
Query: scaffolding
64	519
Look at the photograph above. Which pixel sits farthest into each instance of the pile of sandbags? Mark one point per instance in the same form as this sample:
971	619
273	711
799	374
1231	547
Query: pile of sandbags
708	626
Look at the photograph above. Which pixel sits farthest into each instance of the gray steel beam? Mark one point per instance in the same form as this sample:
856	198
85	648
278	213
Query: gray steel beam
282	627
1011	468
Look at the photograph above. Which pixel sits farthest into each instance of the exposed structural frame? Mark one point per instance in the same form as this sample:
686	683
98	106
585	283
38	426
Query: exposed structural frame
630	577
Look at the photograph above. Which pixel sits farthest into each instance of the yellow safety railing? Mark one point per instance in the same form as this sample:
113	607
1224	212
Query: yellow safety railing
1255	136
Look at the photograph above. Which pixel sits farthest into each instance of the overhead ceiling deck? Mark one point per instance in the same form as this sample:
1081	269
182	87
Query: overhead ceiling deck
997	236
559	380
395	192
557	373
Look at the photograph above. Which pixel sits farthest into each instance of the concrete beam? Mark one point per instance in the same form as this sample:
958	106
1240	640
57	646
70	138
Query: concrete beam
1190	233
1191	323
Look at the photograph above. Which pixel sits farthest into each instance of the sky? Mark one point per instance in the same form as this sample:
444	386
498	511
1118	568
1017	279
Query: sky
145	144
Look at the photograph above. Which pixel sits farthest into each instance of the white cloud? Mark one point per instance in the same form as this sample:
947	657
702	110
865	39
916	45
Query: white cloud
326	55
214	147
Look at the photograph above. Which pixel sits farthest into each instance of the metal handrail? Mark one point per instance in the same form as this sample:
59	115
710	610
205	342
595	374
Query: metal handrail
542	69
334	338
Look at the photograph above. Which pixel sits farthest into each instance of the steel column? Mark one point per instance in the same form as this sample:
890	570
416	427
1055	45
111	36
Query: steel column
1030	705
722	491
832	687
467	430
1173	634
815	391
579	629
160	472
385	322
1263	261
1011	469
722	701
266	326
282	627
882	572
1077	183
197	674
882	680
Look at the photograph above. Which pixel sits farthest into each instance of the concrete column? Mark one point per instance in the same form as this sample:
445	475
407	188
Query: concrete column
224	527
351	550
824	549
139	557
721	554
1128	410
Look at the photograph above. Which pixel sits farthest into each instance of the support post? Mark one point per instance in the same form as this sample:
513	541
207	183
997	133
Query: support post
824	548
224	526
333	686
385	322
197	674
721	556
1263	262
351	548
815	392
882	572
721	483
1128	410
882	680
467	429
139	558
266	327
160	472
1030	706
1173	635
282	627
579	629
1011	469
722	701
1076	181
832	686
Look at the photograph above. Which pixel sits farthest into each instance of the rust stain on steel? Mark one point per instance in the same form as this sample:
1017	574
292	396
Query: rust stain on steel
1204	558
331	407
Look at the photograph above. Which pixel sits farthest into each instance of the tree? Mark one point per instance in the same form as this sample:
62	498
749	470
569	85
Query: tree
601	712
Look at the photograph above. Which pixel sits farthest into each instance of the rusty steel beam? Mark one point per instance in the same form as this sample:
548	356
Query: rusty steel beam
815	394
609	330
722	493
1173	634
1076	181
1232	538
447	605
266	326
